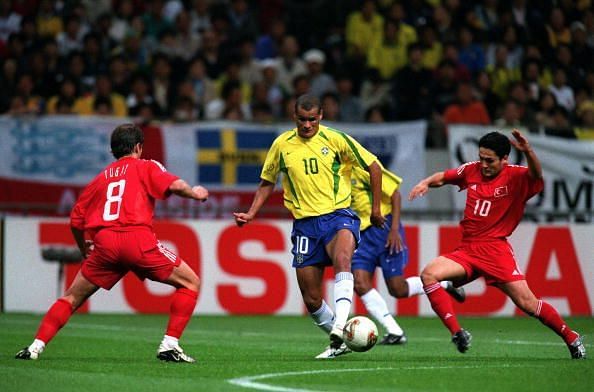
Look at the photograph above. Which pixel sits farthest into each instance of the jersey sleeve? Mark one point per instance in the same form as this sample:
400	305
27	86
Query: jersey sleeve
531	186
157	179
358	154
272	163
77	215
390	182
457	176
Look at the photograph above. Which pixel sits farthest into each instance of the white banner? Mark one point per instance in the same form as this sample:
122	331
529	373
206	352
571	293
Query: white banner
64	150
568	167
229	155
248	270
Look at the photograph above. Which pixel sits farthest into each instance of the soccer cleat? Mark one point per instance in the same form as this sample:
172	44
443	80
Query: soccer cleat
337	346
577	349
173	354
462	340
334	351
457	293
27	354
393	339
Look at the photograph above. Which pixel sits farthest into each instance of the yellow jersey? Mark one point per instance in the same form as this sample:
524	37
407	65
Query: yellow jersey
361	194
316	171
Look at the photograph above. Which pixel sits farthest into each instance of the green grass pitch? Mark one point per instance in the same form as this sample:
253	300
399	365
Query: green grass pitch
117	353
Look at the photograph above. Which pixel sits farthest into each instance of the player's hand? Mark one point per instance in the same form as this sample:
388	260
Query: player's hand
419	190
200	193
377	219
394	242
241	218
521	143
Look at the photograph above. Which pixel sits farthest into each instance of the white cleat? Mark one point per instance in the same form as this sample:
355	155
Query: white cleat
333	352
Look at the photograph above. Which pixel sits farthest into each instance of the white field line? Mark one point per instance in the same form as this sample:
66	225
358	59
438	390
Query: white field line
252	381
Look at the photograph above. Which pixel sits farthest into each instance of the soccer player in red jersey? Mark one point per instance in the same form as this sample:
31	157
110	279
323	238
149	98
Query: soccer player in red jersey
116	211
496	195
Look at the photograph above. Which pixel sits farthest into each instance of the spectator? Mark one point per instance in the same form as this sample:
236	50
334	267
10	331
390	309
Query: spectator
374	91
185	110
154	22
432	48
301	85
557	31
200	16
140	94
71	39
388	55
249	68
349	104
501	74
489	98
320	81
204	87
230	105
242	22
274	92
186	41
49	24
467	110
10	21
269	45
162	85
122	22
65	98
211	54
102	106
330	107
375	114
510	115
544	112
444	90
471	54
363	29
412	88
103	91
289	64
563	93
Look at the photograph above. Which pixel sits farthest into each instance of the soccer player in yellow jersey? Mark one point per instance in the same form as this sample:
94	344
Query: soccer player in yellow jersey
384	247
316	162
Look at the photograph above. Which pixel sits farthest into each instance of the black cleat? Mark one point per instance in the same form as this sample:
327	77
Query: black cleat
457	293
25	354
462	340
28	354
391	339
577	349
175	354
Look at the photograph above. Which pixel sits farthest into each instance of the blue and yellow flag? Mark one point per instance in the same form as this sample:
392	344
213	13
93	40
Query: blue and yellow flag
229	156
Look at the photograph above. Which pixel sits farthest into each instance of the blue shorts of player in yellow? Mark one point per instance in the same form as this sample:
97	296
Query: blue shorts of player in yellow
372	251
311	235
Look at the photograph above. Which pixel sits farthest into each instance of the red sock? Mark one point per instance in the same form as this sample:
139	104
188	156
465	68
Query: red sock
55	318
442	306
549	316
182	307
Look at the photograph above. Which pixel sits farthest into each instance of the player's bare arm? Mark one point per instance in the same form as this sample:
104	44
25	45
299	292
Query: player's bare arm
375	176
79	237
181	188
394	242
434	181
262	194
521	144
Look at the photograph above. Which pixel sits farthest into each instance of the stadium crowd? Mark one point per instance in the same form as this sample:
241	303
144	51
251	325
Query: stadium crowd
506	62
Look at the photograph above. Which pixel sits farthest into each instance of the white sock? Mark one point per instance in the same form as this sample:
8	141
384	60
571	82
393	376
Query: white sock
378	309
343	297
37	345
170	341
323	317
415	286
444	284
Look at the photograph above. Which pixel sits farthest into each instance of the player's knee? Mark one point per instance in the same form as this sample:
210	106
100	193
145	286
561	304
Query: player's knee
527	305
398	290
362	286
312	303
428	277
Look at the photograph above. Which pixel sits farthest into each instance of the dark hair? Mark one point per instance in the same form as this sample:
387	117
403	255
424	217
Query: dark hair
124	138
497	142
308	102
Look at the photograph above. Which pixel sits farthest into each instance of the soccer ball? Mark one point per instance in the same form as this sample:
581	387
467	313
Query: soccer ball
360	334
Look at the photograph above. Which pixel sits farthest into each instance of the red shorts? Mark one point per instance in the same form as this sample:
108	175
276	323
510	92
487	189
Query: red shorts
493	260
117	252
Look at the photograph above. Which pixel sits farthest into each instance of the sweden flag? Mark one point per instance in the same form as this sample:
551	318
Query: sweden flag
229	156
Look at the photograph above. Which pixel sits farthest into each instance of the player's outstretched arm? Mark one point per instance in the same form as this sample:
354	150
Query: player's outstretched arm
262	194
521	143
181	188
434	181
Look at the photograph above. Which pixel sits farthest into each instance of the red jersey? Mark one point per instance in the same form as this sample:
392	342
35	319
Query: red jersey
494	206
122	195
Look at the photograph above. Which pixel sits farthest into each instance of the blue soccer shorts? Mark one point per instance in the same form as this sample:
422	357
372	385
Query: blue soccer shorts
372	251
311	235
